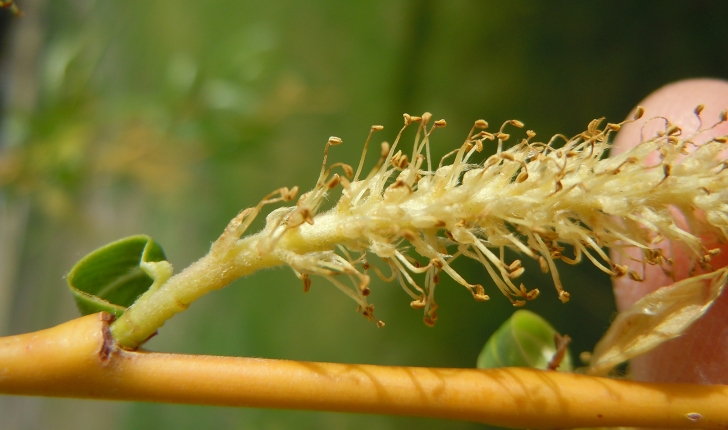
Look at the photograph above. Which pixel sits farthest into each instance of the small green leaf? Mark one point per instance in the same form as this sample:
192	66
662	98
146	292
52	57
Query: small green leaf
112	277
524	340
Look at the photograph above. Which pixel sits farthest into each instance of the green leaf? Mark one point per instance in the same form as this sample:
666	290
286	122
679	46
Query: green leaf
112	277
524	340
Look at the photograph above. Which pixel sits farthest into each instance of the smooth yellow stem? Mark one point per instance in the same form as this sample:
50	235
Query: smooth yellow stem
79	359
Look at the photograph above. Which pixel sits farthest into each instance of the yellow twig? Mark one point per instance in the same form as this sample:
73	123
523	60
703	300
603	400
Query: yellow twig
79	359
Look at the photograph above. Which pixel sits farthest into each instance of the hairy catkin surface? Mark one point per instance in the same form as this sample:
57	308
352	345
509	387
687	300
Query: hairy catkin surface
538	198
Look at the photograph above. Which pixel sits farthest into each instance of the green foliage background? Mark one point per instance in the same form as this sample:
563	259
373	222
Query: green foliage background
168	117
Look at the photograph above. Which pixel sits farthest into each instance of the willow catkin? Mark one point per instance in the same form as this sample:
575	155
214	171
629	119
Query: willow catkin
556	200
532	197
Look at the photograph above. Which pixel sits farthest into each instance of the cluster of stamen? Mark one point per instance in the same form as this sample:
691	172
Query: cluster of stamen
546	202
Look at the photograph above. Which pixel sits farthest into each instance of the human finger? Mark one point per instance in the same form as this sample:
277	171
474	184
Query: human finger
701	354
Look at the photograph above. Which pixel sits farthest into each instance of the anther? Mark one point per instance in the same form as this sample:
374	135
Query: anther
699	109
306	283
723	115
481	124
348	171
407	119
299	216
333	141
440	123
479	293
516	273
620	270
409	235
400	160
289	194
529	295
564	296
635	276
333	182
403	162
377	127
674	130
418	304
639	112
516	123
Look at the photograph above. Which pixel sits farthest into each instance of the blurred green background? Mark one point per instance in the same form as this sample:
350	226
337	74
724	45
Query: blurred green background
168	117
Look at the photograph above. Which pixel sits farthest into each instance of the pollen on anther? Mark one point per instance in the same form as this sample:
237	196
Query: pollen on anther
306	283
614	127
335	180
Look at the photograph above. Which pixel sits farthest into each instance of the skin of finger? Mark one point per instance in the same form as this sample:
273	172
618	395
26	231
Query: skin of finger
701	354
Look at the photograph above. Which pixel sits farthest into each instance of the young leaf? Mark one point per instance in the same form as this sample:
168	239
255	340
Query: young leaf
524	340
112	277
659	316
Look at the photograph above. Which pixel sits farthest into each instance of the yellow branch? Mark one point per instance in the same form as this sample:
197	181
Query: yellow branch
78	359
